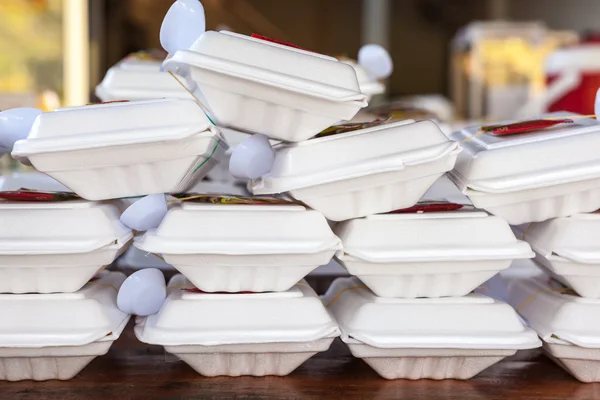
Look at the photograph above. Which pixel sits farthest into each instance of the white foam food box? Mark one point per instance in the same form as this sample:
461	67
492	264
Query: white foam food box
443	338
569	250
368	86
259	86
567	324
48	247
124	149
54	336
531	177
237	334
139	79
430	254
374	170
233	247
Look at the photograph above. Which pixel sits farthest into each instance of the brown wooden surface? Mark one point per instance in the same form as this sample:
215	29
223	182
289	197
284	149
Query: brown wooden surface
132	370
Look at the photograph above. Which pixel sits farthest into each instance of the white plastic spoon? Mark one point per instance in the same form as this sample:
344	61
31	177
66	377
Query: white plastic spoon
182	25
146	213
376	60
252	158
15	124
143	292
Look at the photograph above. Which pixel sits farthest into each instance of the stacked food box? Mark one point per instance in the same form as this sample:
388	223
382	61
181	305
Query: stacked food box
546	183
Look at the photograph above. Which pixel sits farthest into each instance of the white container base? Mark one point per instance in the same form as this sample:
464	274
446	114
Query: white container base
236	278
373	194
582	363
453	284
46	363
536	205
428	363
256	359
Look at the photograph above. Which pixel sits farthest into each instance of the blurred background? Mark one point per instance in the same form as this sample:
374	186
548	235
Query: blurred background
464	59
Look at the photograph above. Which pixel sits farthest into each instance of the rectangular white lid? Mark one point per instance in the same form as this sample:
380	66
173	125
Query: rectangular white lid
386	147
63	319
115	124
470	322
431	236
296	315
498	164
574	238
74	226
271	63
555	312
196	228
139	81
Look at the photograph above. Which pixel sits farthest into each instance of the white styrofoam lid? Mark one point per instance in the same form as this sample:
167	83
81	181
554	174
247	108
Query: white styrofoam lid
387	147
114	124
63	319
75	226
140	81
431	236
197	228
296	315
367	85
547	157
271	63
555	312
470	322
574	238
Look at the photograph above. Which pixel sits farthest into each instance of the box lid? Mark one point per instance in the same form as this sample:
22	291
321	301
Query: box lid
467	235
470	322
192	317
507	163
63	319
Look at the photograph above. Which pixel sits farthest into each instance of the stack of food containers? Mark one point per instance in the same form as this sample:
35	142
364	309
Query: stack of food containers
417	268
58	313
545	181
243	308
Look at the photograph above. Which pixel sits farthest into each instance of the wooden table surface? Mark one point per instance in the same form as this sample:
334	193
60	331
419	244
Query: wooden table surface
133	370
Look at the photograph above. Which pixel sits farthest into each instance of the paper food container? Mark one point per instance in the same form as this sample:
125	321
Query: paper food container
124	149
446	338
567	324
139	78
48	247
374	170
237	334
429	254
249	246
569	250
256	85
54	336
531	177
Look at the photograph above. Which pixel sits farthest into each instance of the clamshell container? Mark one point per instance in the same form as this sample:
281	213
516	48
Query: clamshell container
48	247
238	334
242	247
444	338
259	86
124	149
567	324
569	250
139	78
535	176
54	336
429	254
375	170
